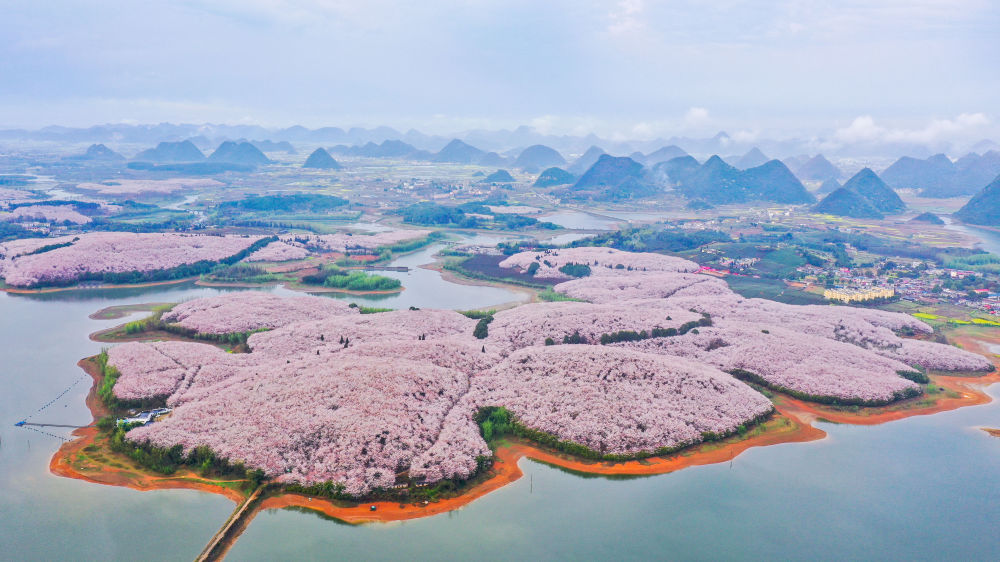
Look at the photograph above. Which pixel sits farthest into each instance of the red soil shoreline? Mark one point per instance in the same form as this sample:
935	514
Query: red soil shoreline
791	424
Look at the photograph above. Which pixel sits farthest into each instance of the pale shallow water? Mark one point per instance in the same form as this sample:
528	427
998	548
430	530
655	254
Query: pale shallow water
988	240
578	220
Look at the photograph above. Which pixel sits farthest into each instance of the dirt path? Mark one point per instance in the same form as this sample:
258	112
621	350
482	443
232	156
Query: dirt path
224	538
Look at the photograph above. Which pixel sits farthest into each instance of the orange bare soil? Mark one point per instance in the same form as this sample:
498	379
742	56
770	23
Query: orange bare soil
783	429
72	459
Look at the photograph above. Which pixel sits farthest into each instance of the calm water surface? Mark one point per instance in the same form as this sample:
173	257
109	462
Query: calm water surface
579	220
988	239
923	488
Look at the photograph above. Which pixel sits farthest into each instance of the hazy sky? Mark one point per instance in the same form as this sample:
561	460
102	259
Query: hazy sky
634	68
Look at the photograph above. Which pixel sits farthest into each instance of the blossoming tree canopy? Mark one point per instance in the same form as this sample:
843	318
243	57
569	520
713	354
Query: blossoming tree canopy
247	311
324	334
278	251
602	261
531	324
346	242
788	359
653	363
74	257
641	285
619	401
47	213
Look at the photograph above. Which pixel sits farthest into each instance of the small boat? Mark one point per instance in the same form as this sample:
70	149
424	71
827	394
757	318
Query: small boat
20	423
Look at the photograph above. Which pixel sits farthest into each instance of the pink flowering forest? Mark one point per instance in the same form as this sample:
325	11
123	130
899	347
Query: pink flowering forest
657	358
68	259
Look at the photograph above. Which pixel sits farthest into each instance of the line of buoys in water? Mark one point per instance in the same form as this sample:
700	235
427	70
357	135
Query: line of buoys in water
47	433
50	402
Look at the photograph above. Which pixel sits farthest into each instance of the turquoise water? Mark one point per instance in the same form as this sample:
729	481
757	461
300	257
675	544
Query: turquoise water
922	488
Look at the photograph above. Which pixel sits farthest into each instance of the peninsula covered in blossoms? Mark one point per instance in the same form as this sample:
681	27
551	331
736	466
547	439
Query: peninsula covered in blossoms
643	363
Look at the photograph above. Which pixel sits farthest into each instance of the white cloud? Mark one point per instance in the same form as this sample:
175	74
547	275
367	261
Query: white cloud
695	117
626	18
864	130
744	136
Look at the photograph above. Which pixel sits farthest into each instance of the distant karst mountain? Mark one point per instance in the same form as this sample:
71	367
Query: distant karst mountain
664	154
848	203
554	176
492	159
320	159
984	207
609	171
676	170
584	162
614	178
239	153
459	152
938	176
271	146
387	149
183	151
773	181
718	183
934	173
867	184
98	153
829	186
928	217
865	195
753	158
538	157
499	176
818	168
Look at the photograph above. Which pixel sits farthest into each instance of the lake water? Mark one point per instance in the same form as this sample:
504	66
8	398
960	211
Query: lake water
425	288
922	488
988	239
579	220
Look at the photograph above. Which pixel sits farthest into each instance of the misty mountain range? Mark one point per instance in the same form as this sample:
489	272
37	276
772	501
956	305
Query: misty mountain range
500	141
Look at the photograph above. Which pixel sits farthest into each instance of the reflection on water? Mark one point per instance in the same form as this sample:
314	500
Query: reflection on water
988	239
567	238
646	216
425	288
578	220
